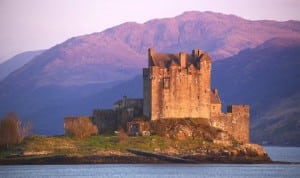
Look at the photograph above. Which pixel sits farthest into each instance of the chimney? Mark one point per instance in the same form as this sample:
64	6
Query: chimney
215	91
182	58
196	52
124	101
150	56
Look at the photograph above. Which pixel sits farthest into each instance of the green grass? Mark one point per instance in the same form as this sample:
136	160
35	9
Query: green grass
105	144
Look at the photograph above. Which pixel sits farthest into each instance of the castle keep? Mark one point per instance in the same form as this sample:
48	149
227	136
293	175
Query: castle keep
179	86
175	86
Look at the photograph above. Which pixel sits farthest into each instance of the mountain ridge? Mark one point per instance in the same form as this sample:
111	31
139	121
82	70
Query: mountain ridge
16	62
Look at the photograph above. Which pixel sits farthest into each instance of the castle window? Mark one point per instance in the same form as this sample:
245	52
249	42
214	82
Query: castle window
166	83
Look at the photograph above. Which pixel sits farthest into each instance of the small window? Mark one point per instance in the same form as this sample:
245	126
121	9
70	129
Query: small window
166	83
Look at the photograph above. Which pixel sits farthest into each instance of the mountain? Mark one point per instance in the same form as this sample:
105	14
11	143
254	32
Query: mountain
266	77
59	81
16	62
220	35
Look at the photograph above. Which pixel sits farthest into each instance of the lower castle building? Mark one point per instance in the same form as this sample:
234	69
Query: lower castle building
175	86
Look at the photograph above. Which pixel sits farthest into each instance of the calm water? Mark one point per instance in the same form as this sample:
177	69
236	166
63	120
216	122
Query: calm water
167	170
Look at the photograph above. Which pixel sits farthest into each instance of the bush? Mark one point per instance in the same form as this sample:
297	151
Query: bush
79	127
12	131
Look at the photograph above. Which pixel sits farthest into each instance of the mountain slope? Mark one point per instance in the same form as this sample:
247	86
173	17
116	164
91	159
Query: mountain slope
266	77
56	82
220	35
16	62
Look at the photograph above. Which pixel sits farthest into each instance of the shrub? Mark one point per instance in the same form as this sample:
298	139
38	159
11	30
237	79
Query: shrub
79	127
12	131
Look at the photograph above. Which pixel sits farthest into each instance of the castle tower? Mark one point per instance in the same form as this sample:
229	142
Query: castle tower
177	85
205	85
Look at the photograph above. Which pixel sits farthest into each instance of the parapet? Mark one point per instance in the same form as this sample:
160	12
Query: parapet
238	108
182	59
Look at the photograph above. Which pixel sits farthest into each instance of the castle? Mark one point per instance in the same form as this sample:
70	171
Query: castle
179	86
176	86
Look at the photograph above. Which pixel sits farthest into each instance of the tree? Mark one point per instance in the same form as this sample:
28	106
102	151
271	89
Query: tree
12	131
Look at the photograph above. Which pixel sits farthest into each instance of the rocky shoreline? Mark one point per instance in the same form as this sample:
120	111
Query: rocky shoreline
130	158
124	160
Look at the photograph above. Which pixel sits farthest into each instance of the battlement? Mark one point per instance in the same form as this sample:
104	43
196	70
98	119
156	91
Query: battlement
238	109
179	60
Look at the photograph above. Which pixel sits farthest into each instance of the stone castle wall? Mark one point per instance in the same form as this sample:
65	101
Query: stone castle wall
235	122
105	120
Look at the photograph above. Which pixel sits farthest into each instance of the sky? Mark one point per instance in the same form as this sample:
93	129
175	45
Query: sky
28	25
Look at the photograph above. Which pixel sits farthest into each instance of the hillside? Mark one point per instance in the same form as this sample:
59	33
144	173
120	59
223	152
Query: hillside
68	78
266	77
16	62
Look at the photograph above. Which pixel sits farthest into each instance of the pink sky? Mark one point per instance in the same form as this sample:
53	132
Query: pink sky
40	24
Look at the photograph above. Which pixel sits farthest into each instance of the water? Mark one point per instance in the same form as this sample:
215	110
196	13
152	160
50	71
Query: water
166	170
290	154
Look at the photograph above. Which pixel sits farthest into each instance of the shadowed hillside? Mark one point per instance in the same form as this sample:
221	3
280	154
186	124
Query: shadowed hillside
266	77
16	62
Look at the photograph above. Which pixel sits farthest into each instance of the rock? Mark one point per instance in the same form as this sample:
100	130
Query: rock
234	152
157	150
254	149
222	142
36	153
